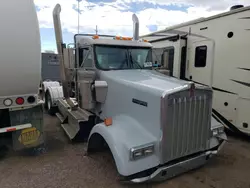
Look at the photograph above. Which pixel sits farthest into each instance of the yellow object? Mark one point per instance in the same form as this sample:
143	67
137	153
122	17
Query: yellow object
29	136
145	40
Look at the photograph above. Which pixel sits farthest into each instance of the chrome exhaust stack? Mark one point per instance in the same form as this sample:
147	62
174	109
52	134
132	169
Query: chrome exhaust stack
60	48
135	27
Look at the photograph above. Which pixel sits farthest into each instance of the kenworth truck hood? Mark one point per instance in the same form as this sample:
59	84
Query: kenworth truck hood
137	94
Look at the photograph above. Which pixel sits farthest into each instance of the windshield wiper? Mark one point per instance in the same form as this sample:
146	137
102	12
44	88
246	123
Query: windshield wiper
134	62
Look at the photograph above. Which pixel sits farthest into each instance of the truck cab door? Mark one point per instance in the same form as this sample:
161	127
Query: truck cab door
200	62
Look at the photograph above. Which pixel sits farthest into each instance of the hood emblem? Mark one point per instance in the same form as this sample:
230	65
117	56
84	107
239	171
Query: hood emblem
191	91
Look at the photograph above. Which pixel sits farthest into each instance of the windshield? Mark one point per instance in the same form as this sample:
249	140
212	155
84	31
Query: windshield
114	57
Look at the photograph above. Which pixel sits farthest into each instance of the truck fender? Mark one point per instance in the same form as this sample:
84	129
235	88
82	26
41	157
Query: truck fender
55	93
46	84
123	135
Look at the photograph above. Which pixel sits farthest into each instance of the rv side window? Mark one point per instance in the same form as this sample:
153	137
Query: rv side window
200	56
183	62
168	59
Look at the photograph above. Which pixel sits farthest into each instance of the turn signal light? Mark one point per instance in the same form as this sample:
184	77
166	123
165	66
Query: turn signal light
95	37
19	100
108	121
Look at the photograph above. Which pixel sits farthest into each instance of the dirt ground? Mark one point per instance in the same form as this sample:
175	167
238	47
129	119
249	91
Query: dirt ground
65	165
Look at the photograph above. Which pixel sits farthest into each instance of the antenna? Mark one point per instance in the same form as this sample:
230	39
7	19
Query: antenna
96	30
189	31
78	15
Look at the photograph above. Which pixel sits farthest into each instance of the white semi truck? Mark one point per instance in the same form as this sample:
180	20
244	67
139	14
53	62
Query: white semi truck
155	126
21	112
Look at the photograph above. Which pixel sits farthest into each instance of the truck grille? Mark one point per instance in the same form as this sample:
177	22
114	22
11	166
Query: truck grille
185	123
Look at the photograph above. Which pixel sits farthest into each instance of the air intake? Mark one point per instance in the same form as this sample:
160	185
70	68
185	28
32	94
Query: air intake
236	7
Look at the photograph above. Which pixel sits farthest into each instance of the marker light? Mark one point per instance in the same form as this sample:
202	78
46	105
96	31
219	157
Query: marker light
122	38
19	100
7	102
108	121
117	38
95	37
145	40
10	129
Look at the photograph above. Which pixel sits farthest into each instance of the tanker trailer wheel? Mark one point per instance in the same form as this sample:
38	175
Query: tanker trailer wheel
48	104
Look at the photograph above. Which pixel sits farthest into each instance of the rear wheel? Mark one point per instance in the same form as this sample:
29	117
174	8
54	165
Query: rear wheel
48	105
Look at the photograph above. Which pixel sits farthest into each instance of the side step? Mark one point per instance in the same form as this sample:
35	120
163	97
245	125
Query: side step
78	123
61	118
71	131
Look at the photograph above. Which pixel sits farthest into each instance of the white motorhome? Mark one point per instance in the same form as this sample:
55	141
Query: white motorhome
213	51
21	112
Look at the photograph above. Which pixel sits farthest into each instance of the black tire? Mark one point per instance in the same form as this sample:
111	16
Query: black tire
48	105
45	101
3	151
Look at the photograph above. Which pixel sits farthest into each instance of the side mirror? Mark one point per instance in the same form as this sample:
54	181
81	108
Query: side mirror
101	90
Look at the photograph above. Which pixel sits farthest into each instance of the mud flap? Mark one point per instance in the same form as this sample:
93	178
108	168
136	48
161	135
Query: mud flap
29	137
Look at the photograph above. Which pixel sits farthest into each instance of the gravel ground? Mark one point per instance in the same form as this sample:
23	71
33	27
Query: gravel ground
65	165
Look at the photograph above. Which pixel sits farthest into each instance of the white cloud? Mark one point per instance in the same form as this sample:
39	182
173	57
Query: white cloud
209	4
114	19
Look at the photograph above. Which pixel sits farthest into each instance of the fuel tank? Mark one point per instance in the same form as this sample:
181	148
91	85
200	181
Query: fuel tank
20	50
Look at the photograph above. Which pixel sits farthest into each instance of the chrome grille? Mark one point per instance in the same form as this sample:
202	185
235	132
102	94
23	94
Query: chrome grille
185	123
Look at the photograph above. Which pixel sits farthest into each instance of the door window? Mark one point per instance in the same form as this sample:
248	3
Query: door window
85	58
200	56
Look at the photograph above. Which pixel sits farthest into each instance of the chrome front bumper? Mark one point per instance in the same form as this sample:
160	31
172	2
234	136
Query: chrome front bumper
167	172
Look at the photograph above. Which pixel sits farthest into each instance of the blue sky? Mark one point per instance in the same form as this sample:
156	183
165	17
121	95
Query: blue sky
115	16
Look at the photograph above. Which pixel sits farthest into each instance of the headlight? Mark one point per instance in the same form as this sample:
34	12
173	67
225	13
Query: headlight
221	130
218	130
139	152
215	132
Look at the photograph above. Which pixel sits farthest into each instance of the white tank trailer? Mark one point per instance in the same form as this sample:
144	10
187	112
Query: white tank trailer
21	114
155	126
